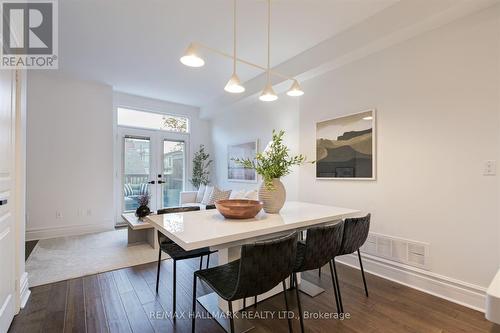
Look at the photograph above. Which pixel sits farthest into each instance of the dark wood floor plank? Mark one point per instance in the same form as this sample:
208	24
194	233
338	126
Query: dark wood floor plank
56	308
140	285
75	307
122	282
158	317
94	307
29	247
115	313
136	315
391	308
32	317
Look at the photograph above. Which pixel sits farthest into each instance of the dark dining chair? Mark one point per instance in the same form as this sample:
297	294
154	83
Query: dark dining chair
321	245
262	266
355	234
176	252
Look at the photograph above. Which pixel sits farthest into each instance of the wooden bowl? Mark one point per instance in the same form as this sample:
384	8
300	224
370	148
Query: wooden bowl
239	208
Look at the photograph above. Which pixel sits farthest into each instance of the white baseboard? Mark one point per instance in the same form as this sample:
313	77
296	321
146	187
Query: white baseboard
463	293
67	230
24	291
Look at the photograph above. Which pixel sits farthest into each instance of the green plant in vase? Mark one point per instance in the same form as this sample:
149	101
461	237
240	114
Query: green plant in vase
272	164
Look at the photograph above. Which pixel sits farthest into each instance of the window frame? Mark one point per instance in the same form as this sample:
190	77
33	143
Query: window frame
187	117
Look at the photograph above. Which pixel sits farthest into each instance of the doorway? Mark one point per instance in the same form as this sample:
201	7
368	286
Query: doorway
153	163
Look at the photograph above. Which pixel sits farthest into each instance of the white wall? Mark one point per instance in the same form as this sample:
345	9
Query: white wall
255	121
438	103
69	156
438	121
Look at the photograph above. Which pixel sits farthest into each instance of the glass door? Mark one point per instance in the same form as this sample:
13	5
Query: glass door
171	180
137	171
153	163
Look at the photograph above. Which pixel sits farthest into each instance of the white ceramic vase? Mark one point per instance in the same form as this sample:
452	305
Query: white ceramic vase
275	199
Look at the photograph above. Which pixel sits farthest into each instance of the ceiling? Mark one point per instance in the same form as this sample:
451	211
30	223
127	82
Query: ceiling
135	46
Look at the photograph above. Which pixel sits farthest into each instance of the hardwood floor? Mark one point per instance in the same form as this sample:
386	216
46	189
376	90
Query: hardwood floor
125	301
29	247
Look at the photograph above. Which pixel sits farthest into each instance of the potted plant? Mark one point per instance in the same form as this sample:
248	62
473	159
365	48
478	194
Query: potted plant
272	164
143	209
201	163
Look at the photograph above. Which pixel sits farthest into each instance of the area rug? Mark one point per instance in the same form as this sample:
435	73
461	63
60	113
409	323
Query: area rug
64	258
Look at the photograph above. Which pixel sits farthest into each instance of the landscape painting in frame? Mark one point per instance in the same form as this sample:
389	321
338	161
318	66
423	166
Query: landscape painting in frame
236	172
345	147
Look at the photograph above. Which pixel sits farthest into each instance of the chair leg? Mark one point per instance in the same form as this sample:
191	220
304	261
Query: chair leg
244	304
255	302
158	270
208	260
201	262
338	285
334	283
299	305
174	289
193	318
287	308
319	272
362	273
231	319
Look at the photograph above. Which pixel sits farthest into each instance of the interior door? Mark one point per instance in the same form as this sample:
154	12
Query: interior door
7	247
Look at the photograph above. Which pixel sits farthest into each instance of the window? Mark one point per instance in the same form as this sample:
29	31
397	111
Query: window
150	120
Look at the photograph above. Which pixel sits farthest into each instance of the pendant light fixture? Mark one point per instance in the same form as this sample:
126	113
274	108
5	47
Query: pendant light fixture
192	59
295	89
234	84
268	94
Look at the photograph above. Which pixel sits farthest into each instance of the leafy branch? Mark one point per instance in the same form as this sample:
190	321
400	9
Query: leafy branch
274	161
201	163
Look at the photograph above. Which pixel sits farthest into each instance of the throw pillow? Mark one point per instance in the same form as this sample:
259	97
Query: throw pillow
207	195
127	190
237	194
252	195
201	192
144	189
218	195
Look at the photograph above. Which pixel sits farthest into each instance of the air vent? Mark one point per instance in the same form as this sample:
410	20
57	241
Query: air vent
397	249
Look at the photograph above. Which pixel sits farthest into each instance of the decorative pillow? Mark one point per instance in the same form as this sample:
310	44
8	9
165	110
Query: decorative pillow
237	194
218	195
127	190
144	189
201	192
207	195
252	195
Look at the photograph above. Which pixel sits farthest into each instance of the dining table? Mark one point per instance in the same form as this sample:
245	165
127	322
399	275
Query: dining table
208	228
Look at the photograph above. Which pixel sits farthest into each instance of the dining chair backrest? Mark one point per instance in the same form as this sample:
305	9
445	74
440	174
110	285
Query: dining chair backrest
264	265
322	244
170	210
355	234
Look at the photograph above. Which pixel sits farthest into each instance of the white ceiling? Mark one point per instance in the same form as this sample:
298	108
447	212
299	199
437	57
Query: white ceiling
135	45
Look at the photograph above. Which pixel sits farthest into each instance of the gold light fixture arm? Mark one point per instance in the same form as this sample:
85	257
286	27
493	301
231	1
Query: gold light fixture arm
243	61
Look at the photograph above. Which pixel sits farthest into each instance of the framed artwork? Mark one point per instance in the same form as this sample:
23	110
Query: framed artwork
236	172
345	147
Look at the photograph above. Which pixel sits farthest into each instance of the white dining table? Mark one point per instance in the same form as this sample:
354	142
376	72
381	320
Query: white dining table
208	228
